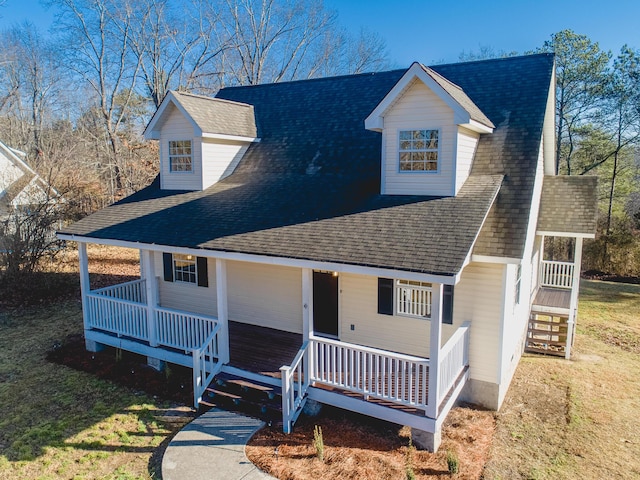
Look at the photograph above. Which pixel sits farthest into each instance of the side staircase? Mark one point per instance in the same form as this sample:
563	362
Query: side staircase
548	333
252	397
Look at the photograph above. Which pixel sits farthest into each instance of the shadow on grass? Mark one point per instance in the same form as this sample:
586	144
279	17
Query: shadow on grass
53	414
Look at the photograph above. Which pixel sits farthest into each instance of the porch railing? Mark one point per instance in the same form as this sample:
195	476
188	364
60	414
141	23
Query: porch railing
206	364
182	330
395	377
134	291
295	382
454	358
122	317
556	274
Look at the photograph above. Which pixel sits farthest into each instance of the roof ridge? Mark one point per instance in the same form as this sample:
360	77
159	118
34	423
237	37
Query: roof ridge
213	99
496	59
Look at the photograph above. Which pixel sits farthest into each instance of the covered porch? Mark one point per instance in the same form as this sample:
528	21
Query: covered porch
405	389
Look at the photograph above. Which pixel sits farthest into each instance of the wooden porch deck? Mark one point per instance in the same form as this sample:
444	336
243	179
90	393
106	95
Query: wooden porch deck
553	297
260	349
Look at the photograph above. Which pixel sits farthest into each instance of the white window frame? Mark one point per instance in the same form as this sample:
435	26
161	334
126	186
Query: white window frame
413	299
181	271
411	146
180	155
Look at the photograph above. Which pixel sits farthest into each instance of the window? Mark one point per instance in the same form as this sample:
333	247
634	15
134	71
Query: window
419	150
518	283
185	269
180	156
412	299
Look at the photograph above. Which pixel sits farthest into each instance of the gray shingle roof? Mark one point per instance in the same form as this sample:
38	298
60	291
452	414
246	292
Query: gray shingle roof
218	116
310	188
569	204
459	96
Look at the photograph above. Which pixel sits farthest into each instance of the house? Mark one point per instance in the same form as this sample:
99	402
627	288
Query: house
373	241
20	185
22	192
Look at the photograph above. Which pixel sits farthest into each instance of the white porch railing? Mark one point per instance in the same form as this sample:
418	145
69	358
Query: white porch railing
395	377
295	382
122	317
183	330
133	291
454	358
206	364
556	274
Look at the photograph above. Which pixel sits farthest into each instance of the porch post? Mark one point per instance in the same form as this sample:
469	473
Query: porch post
435	336
148	270
575	289
85	286
223	309
307	318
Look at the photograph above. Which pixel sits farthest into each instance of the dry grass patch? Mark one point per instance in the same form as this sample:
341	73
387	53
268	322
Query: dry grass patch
579	418
357	447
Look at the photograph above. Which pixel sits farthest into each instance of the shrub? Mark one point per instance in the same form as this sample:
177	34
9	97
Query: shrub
318	442
453	462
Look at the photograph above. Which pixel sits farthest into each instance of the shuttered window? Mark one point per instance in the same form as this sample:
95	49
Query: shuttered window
385	296
185	269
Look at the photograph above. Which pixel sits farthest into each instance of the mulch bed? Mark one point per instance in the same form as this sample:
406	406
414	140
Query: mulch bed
130	370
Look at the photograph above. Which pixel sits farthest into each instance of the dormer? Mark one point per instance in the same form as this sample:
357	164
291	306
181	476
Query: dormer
201	139
430	130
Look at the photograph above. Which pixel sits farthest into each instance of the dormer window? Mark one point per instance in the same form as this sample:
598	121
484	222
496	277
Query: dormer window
418	150
180	158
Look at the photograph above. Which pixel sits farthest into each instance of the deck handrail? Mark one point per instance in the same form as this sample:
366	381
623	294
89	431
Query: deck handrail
556	274
184	330
295	382
395	377
206	364
454	358
133	291
122	317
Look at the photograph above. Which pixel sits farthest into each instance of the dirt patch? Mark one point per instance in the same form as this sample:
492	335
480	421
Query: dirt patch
126	369
360	447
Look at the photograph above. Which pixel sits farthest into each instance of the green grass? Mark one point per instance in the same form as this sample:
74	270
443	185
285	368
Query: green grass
60	423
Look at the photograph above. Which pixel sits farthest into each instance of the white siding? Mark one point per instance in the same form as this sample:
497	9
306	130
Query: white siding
465	151
359	307
219	159
266	295
176	127
478	297
188	296
419	108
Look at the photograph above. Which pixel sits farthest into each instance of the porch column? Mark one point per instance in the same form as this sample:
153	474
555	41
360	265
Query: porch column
575	289
223	309
307	320
85	286
435	336
148	270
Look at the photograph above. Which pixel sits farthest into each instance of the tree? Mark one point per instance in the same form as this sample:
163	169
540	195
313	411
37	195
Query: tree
580	75
97	36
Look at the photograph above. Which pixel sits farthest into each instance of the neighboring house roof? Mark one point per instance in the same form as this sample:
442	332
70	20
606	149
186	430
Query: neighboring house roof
310	188
210	115
569	206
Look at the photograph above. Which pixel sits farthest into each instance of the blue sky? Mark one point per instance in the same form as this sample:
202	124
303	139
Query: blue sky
432	31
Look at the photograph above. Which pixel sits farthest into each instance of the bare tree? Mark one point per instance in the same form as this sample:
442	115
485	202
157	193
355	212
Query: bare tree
97	36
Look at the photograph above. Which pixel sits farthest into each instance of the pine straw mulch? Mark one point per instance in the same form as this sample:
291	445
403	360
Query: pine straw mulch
358	447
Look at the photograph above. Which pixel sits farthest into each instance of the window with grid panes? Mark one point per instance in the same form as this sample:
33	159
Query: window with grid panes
180	159
418	150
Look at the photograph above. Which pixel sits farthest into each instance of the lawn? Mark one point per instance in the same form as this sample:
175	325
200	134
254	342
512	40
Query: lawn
561	419
57	422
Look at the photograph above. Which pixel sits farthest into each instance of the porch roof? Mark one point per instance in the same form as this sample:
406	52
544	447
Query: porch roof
568	206
412	233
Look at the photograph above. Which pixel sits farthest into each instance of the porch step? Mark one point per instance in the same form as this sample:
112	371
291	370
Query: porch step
547	333
247	396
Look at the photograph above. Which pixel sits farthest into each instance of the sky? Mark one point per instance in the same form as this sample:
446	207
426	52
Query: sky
432	31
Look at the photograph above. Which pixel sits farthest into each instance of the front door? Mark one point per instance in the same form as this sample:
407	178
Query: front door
325	304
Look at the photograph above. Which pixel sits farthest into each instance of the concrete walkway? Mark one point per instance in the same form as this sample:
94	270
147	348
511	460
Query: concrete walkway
211	447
